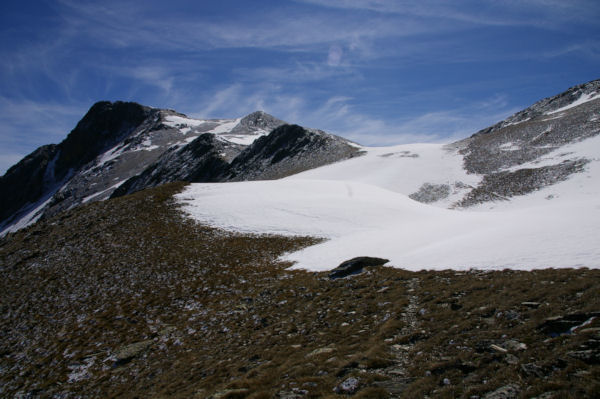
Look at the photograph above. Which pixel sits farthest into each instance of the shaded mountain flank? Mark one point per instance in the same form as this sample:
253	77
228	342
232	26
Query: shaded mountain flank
40	174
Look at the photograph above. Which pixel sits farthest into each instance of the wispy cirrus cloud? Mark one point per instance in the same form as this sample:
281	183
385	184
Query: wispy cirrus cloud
547	13
376	71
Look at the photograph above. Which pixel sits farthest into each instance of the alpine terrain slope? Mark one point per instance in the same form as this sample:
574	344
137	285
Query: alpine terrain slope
121	279
118	148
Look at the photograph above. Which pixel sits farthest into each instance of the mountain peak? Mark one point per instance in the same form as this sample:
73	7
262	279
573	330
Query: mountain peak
258	120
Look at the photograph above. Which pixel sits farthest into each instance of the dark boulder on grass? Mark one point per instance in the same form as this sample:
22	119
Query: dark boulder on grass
567	324
355	266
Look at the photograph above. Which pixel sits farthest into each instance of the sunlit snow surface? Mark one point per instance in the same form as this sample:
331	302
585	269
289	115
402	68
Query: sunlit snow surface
361	207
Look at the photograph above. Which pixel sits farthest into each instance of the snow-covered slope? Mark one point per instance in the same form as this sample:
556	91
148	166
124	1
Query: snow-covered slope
524	194
405	169
361	207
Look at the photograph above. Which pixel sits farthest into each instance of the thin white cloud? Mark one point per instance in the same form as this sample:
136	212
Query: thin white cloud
29	124
334	57
121	26
338	115
547	13
155	76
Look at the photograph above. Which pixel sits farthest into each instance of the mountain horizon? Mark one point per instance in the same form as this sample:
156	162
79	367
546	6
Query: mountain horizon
116	144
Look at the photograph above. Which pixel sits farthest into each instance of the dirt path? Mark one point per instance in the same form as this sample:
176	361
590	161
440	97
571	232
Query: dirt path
398	372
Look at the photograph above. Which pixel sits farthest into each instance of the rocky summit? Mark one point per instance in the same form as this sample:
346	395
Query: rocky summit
321	269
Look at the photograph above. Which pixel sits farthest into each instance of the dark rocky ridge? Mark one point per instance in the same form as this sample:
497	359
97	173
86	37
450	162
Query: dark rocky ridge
503	185
546	105
289	149
43	171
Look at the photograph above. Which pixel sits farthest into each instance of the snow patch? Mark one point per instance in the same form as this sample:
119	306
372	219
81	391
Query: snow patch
402	169
111	154
30	218
517	122
245	139
179	122
99	193
225	126
510	146
584	98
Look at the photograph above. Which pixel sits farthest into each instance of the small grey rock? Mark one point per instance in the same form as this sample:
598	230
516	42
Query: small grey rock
510	391
349	386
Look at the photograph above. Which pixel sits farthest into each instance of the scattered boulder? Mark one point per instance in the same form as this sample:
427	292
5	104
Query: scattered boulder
511	359
295	393
126	353
355	266
559	325
589	356
320	351
533	370
510	391
533	305
349	386
231	393
514	345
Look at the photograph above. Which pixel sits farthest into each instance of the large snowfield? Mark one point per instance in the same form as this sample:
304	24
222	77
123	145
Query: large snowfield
361	207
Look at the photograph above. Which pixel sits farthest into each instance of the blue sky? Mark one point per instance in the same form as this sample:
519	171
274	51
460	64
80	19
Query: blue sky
378	72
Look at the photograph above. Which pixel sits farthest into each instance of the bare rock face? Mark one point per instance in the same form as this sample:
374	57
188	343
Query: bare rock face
256	121
40	174
287	150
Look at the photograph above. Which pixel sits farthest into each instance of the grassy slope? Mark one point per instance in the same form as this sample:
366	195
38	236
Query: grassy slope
125	298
